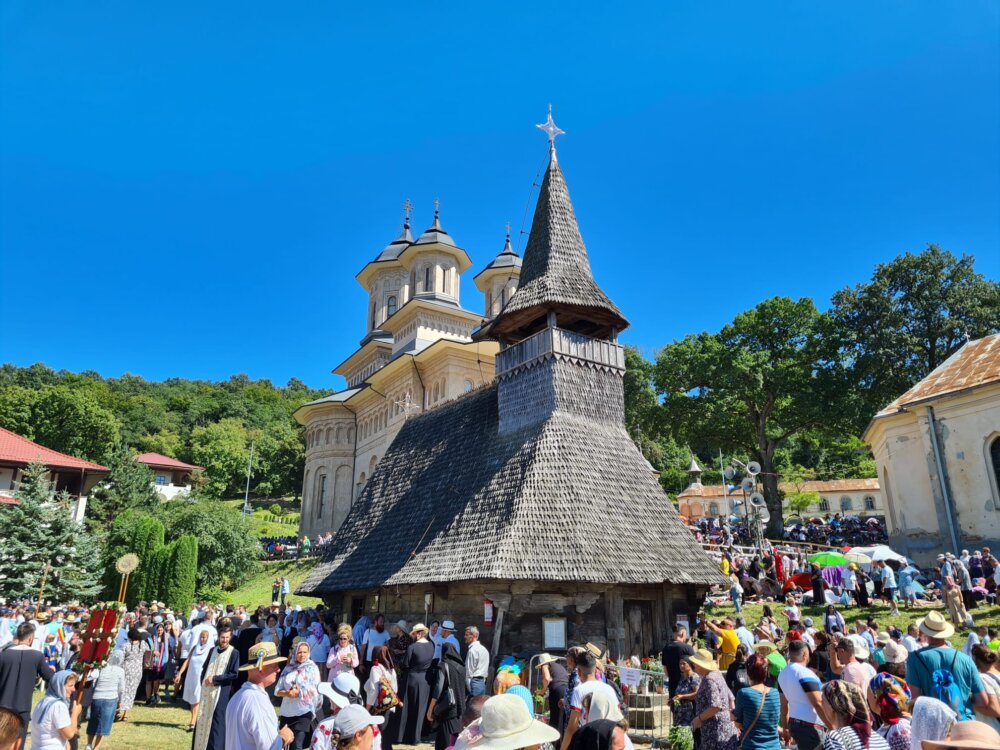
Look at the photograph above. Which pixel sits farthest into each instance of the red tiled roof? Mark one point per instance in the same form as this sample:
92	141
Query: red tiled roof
16	449
976	363
165	462
830	485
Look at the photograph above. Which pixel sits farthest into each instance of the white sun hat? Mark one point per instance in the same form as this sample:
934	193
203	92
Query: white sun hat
505	725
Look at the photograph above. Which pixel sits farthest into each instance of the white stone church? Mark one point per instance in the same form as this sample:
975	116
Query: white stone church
416	355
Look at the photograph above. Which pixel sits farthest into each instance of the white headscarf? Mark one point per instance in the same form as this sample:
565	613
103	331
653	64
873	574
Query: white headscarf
931	720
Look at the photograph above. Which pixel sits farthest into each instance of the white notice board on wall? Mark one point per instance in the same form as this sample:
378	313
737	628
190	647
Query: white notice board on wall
553	633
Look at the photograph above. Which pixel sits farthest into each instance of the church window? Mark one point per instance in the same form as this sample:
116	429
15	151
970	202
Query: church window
503	298
320	495
413	282
373	313
489	302
824	504
390	306
427	279
371	465
467	386
869	502
437	392
329	434
713	509
845	503
340	434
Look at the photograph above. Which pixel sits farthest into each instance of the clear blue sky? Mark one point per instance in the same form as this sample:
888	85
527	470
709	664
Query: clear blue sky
187	189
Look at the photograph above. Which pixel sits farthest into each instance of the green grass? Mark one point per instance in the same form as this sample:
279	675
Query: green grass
983	615
256	590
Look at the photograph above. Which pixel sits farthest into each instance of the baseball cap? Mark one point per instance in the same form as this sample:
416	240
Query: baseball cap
353	719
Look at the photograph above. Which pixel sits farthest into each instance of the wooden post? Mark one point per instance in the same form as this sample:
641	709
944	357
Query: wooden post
82	685
41	587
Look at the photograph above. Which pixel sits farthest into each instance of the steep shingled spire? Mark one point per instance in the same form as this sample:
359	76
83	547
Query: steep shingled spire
556	275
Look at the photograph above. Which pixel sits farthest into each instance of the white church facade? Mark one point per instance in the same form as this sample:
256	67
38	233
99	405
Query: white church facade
937	448
417	353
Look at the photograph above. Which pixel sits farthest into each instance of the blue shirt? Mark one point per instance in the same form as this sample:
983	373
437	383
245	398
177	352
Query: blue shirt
764	735
920	667
905	579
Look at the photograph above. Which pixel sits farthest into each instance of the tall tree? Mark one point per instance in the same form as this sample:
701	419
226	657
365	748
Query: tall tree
72	422
223	449
771	374
227	550
916	311
128	485
181	573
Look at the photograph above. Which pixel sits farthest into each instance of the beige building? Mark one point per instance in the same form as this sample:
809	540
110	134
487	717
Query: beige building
851	497
417	353
937	448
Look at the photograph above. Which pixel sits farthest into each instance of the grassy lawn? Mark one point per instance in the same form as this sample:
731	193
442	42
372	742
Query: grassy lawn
983	615
256	590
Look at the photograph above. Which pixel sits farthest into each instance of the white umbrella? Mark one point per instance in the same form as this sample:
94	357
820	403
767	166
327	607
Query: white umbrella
882	552
857	557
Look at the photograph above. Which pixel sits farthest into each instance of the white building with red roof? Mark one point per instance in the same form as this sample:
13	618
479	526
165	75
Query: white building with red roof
937	448
75	475
171	477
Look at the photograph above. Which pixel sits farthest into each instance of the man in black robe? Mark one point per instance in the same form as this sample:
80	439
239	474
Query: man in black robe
247	638
218	677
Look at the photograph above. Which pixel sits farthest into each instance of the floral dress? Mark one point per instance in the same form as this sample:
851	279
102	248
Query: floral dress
132	665
684	712
719	732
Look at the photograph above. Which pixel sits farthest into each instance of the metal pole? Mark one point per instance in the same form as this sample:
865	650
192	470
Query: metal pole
246	495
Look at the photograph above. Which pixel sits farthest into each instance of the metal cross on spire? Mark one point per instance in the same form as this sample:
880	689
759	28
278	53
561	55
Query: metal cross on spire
552	130
407	210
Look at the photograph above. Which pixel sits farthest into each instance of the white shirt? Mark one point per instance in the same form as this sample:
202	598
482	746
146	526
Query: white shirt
46	736
888	578
584	689
7	626
477	662
797	681
251	723
187	641
38	639
372	639
911	643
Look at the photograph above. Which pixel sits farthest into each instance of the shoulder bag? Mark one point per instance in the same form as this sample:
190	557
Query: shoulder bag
760	709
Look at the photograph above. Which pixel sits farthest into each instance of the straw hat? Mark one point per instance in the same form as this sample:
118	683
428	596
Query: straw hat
895	653
882	639
703	658
765	647
972	735
419	628
506	724
934	625
545	659
260	655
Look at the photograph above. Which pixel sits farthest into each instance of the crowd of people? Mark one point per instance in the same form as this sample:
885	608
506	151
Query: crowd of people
834	530
834	685
290	547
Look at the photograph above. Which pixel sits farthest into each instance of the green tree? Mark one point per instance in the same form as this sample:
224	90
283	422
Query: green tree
16	405
227	550
166	443
279	460
916	311
40	536
71	422
223	449
182	572
771	374
143	584
158	576
129	485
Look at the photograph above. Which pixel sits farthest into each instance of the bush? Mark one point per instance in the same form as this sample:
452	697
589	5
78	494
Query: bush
182	570
276	509
212	594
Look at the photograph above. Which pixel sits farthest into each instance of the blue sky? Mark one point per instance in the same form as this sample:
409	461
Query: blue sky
187	189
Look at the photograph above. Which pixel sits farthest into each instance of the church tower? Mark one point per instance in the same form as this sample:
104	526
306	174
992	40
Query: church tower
558	334
498	281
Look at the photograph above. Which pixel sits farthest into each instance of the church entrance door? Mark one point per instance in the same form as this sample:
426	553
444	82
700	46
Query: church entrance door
638	627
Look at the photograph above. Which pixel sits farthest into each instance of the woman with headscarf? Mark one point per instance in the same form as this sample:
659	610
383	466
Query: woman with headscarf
713	704
133	652
108	693
890	699
190	674
319	647
418	660
162	648
54	720
833	621
298	688
447	697
852	725
344	654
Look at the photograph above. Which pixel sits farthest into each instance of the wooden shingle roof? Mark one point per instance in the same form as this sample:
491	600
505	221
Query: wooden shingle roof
564	500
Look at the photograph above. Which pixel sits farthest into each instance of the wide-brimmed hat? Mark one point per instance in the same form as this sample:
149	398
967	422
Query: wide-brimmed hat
260	655
765	647
545	659
506	724
448	625
971	735
703	658
340	701
402	625
419	628
882	638
895	653
934	625
860	646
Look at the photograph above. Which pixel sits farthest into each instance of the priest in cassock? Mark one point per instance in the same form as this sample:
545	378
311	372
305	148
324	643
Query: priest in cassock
217	680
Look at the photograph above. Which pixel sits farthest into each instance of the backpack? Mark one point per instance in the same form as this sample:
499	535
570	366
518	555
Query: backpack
945	689
741	679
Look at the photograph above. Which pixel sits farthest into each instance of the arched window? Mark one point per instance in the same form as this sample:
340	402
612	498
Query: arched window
995	465
869	502
361	485
713	509
427	279
824	504
373	313
467	386
845	503
437	392
489	302
503	298
320	494
329	434
340	434
390	306
372	464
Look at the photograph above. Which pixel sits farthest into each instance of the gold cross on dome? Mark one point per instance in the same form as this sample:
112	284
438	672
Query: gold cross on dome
551	129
